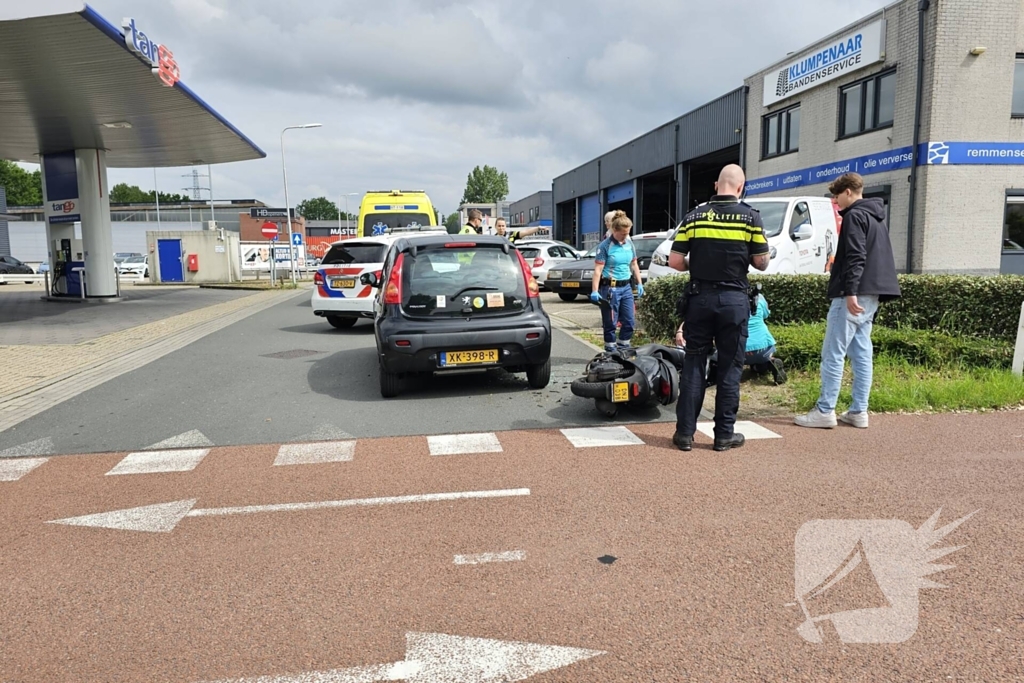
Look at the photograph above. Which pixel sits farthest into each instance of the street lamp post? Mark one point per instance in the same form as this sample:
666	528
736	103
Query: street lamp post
287	205
345	196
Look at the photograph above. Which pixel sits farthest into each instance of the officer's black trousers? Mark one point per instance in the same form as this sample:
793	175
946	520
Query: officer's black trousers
719	316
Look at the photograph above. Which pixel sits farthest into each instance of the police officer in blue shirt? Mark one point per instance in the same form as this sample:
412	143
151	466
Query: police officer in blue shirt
717	242
615	267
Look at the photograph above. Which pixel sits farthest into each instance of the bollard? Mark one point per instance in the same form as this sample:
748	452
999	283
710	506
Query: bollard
117	277
1018	351
46	283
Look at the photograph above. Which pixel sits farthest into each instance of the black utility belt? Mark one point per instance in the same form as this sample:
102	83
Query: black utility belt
700	284
612	282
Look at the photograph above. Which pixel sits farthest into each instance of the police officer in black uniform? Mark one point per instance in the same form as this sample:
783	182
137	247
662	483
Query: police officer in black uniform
717	243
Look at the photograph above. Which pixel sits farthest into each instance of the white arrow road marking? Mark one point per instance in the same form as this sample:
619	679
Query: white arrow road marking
441	658
326	432
37	447
483	558
750	430
315	453
149	462
164	517
460	444
13	470
593	437
192	439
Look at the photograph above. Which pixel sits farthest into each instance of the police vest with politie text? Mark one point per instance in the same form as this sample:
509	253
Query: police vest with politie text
720	238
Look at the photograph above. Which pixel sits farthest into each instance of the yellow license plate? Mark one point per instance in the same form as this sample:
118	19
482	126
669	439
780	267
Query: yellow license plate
343	283
571	285
620	392
453	358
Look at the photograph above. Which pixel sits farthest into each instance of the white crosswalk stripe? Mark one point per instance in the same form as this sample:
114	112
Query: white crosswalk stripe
749	430
595	437
151	462
459	444
315	453
16	468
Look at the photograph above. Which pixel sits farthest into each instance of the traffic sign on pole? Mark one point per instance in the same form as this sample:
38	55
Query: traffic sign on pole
269	230
297	239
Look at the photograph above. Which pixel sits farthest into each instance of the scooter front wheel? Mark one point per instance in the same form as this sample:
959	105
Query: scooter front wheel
581	387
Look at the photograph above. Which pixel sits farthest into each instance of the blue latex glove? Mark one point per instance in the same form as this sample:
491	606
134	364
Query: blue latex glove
639	291
595	297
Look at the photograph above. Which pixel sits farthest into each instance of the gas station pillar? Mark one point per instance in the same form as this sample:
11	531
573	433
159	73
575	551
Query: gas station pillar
75	190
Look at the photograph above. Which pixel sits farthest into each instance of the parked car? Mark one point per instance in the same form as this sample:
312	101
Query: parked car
120	256
571	279
338	295
134	265
802	234
454	303
542	255
11	268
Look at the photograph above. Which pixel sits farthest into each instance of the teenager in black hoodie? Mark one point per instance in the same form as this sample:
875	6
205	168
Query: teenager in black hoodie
863	276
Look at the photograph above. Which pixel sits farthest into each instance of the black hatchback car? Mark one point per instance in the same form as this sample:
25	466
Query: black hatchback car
458	302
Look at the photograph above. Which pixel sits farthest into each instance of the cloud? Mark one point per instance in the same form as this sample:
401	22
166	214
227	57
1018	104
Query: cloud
415	93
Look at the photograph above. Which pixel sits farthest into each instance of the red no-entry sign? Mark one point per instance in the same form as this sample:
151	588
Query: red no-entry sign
269	230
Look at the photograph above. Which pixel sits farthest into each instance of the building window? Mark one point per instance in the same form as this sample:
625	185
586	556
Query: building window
1013	225
781	132
1018	87
867	105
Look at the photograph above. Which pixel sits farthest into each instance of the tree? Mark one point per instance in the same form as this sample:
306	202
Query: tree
317	209
22	188
123	193
485	185
451	223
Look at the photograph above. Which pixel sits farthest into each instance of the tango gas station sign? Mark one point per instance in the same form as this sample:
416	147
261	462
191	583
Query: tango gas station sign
160	59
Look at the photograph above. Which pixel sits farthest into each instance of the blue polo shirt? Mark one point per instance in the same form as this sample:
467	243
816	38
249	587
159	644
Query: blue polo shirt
616	258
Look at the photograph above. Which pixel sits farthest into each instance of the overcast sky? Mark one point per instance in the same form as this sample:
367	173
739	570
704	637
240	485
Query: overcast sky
415	93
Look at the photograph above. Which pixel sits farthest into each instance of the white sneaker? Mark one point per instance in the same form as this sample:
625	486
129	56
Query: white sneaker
817	419
858	420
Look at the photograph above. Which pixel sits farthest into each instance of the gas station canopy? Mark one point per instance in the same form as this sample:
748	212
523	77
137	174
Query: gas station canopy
72	80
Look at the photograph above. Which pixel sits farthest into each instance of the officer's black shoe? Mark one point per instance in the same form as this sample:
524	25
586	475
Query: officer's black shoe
778	371
734	441
682	442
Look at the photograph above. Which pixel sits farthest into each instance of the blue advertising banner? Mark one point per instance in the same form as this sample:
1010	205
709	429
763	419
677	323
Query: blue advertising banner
929	154
61	174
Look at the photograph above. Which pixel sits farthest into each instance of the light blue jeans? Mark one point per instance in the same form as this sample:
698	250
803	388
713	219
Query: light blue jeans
847	335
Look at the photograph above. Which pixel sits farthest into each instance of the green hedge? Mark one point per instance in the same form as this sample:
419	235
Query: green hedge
984	307
800	347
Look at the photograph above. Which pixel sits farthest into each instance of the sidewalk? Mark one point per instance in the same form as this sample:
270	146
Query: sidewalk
38	376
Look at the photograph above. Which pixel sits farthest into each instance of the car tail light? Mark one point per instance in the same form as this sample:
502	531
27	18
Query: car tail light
318	279
532	290
393	288
403	342
636	390
533	335
538	262
460	245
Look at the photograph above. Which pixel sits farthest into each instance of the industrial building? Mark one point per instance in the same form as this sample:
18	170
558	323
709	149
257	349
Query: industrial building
924	99
531	211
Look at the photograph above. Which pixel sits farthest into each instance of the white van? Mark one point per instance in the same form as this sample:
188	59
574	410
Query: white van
802	235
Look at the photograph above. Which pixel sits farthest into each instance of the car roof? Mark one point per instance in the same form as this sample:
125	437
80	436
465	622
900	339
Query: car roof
437	239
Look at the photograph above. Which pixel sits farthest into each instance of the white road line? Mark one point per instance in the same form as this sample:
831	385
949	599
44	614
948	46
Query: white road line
749	430
484	558
315	453
150	462
13	470
593	437
192	439
164	517
459	444
326	432
37	447
357	502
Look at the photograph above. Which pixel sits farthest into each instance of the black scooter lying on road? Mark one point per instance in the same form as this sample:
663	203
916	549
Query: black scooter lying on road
641	376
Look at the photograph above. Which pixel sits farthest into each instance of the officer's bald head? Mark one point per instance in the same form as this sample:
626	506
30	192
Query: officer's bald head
731	181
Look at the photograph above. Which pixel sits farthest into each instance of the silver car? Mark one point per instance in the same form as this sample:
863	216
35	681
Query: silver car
541	255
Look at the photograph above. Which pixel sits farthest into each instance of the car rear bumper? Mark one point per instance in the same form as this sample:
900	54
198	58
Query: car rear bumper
525	341
348	306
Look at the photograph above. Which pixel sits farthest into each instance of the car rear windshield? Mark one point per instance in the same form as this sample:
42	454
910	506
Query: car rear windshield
645	247
455	282
529	253
375	223
343	254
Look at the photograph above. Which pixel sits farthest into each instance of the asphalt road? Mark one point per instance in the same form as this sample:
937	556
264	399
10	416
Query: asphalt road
285	375
653	565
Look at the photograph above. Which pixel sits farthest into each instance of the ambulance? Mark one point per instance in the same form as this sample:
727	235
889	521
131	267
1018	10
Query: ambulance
382	210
